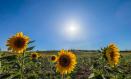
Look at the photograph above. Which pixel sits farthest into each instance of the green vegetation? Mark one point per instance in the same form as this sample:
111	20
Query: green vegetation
90	66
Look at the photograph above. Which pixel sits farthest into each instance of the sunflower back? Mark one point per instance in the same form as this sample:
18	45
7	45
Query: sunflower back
112	55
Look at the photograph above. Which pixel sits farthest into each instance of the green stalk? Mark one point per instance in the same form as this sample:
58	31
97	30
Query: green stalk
62	75
22	66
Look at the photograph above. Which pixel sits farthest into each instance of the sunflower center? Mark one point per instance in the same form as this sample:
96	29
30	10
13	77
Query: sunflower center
53	58
112	55
64	61
20	42
34	56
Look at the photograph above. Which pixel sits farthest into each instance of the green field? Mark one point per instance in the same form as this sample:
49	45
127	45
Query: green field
89	66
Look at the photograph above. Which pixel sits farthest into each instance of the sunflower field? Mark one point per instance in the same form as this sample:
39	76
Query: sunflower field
22	62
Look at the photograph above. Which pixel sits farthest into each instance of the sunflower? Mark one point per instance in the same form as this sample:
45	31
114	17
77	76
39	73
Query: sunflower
66	62
18	43
53	58
112	55
34	56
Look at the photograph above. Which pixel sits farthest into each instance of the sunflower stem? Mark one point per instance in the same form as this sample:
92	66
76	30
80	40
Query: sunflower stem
22	66
19	60
51	70
62	76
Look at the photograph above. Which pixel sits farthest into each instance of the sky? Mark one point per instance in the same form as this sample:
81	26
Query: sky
67	24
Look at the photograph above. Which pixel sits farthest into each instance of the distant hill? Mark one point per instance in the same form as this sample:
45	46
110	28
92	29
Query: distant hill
75	51
78	51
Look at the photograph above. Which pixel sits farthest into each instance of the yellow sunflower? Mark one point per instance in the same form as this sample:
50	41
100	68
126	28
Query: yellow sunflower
53	58
18	43
66	62
34	56
112	55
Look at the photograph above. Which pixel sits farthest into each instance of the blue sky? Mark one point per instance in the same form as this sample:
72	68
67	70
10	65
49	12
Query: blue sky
100	22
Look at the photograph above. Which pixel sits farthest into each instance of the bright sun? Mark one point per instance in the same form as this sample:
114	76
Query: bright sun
72	30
